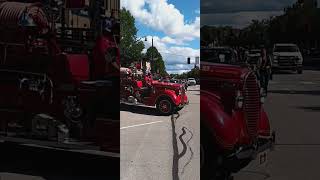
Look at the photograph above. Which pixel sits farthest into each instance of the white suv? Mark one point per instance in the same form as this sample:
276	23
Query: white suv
191	82
287	57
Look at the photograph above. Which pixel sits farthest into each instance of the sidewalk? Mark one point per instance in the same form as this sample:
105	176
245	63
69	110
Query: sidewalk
12	176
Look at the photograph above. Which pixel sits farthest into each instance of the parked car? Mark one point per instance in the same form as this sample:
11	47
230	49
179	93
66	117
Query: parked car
234	125
165	96
287	57
192	82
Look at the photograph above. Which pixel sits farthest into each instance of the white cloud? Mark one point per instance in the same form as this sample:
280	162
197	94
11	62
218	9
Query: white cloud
162	16
175	57
237	19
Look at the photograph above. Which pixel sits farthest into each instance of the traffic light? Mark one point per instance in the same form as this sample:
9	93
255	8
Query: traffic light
189	61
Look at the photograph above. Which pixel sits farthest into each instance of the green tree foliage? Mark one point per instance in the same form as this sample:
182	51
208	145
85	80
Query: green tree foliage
131	46
299	24
157	63
194	73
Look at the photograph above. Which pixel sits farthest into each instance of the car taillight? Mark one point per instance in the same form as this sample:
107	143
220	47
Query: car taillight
239	100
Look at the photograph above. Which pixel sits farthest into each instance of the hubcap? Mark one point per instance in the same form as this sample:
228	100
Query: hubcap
165	106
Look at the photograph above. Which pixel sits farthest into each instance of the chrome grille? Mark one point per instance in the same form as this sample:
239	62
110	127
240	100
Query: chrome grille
287	61
251	93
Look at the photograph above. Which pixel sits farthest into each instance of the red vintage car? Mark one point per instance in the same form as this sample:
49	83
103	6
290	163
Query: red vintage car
234	126
47	97
142	90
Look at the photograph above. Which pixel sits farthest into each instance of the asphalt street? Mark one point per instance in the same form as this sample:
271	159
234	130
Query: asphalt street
293	106
29	163
161	147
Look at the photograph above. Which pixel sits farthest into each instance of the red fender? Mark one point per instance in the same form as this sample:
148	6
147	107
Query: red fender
264	124
171	94
222	126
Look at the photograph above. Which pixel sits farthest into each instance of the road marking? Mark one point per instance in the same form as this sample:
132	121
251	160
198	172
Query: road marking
137	125
307	82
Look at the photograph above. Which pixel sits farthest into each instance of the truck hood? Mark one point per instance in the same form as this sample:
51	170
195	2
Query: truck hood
234	73
166	85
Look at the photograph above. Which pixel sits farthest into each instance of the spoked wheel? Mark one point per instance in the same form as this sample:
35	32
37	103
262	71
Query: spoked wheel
165	106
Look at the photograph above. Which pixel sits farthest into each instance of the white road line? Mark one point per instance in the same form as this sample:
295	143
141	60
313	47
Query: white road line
137	125
307	82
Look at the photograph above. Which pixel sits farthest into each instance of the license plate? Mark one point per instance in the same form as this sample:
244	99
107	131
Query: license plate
262	157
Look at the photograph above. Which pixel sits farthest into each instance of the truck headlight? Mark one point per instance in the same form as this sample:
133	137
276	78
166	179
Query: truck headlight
262	96
179	92
239	100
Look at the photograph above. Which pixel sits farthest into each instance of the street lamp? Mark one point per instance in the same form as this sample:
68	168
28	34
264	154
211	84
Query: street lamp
146	39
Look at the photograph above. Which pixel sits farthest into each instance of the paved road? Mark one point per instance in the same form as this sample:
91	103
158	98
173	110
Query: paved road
27	163
293	106
161	147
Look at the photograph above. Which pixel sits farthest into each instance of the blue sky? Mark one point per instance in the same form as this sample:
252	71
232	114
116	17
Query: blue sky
175	26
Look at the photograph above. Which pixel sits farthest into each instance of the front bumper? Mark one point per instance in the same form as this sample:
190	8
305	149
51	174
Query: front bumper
244	154
251	152
286	67
184	101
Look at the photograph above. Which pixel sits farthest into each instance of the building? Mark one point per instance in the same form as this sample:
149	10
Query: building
80	18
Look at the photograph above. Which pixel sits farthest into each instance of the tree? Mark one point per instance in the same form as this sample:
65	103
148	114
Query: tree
131	47
157	63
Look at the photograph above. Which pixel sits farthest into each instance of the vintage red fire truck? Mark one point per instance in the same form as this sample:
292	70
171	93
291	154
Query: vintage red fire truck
142	90
234	126
47	97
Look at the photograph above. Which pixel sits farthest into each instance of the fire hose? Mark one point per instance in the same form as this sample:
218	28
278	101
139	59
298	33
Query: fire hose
12	12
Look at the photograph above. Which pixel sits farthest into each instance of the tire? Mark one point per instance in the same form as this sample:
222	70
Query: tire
299	71
209	157
165	106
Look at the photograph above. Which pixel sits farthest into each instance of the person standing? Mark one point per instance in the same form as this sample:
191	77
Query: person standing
264	65
106	67
106	54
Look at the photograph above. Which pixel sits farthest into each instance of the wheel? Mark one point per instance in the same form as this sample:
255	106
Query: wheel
210	159
299	71
165	106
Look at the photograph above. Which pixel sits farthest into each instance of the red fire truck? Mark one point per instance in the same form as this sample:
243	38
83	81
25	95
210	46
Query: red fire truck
47	96
141	89
234	125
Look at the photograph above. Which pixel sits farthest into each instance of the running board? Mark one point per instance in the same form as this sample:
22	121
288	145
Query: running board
85	149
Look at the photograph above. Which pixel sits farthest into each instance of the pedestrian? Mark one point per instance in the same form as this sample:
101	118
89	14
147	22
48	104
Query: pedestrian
264	65
106	54
106	67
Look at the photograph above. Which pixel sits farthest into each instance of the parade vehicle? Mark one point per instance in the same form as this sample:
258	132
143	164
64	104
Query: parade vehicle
287	57
141	90
235	128
47	96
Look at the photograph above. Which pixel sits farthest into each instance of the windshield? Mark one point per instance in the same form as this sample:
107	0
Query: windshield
222	56
286	49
